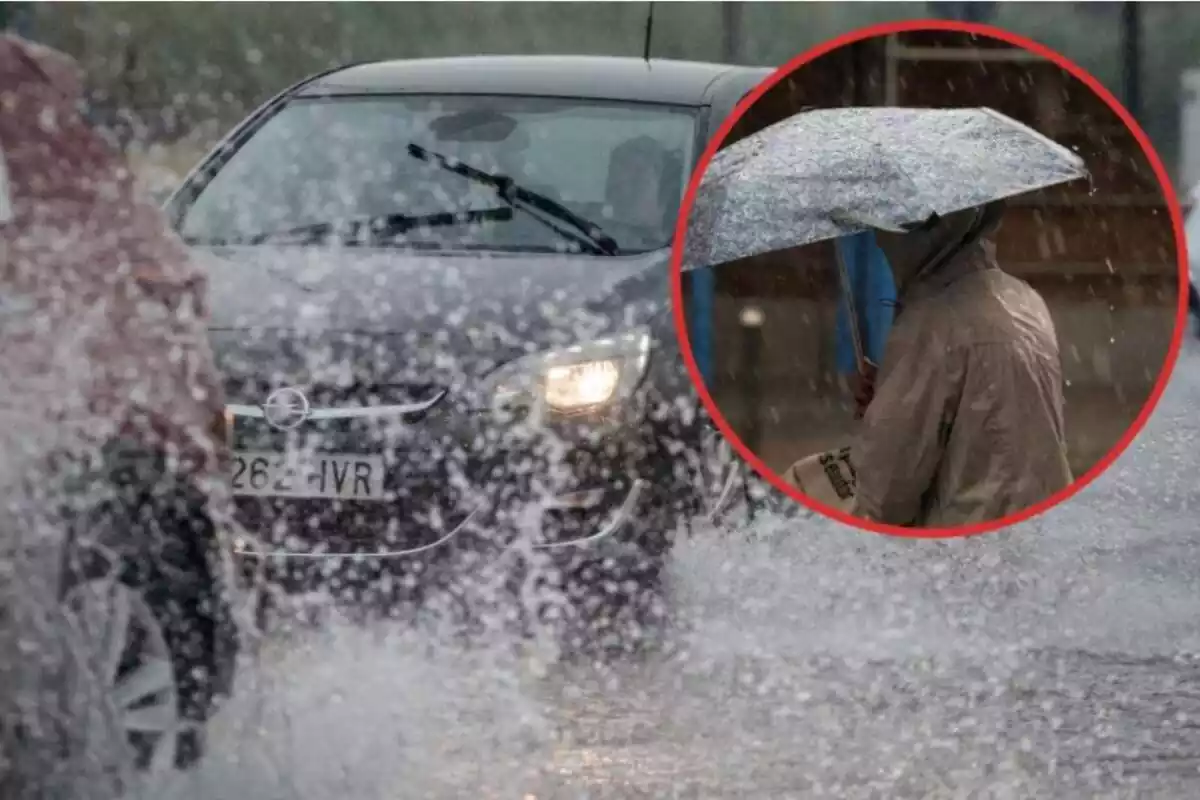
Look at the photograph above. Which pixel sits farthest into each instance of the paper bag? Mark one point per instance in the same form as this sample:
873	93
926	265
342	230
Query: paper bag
829	478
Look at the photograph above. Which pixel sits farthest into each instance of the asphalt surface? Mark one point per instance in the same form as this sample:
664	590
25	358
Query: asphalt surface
1055	659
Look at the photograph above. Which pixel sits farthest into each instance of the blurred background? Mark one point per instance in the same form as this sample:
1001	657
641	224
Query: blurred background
180	73
168	79
1101	254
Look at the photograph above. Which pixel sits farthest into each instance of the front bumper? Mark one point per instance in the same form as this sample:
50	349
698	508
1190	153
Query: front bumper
596	492
247	545
410	573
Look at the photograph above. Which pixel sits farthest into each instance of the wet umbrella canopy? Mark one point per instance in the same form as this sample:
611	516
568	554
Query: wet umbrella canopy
834	172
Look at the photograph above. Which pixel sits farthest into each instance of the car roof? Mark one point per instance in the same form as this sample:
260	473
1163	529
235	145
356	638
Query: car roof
592	77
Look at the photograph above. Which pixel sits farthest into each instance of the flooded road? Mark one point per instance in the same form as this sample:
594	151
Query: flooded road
809	660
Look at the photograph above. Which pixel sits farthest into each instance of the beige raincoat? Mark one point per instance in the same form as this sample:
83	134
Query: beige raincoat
966	422
103	309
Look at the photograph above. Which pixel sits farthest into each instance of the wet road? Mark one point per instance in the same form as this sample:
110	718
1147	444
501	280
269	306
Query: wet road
1053	659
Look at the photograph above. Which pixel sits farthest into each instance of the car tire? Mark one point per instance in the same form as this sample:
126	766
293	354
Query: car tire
143	555
126	659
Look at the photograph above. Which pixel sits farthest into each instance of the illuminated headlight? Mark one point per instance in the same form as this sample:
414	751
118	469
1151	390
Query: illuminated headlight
576	379
582	385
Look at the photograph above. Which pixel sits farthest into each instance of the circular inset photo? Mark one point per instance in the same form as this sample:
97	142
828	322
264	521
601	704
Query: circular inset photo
929	281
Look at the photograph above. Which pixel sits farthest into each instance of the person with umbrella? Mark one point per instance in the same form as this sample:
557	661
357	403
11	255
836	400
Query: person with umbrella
963	420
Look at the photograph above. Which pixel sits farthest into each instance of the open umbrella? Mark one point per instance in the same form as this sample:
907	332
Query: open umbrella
836	172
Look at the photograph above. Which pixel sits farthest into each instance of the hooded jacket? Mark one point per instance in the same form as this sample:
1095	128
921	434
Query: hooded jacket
966	423
103	317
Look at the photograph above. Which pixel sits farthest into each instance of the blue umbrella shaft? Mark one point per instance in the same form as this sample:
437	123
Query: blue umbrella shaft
872	296
704	289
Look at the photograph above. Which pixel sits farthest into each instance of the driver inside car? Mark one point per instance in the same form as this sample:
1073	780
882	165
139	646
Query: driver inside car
636	185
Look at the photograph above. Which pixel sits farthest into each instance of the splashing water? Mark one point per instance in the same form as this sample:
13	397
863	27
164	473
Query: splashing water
806	660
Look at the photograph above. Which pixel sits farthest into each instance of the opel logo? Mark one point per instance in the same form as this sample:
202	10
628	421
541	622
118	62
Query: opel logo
286	408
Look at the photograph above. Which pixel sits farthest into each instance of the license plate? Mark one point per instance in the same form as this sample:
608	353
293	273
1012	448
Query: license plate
336	477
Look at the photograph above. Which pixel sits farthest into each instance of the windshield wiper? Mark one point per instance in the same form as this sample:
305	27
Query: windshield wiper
586	233
383	226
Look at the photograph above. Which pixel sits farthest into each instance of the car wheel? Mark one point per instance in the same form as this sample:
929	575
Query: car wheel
153	617
130	670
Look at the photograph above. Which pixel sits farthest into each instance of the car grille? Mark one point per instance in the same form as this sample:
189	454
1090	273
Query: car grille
255	392
423	478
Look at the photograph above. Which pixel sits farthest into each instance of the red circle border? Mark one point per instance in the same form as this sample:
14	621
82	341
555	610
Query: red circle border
886	29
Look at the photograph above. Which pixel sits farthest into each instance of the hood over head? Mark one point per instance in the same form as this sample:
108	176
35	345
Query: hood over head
921	252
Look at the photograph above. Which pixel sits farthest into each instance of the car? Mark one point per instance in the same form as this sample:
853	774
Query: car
116	575
440	300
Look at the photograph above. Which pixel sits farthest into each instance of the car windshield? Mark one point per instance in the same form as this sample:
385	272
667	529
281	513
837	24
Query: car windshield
573	174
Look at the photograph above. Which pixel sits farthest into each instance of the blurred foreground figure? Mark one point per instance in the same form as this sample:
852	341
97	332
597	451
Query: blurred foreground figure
100	262
964	422
110	417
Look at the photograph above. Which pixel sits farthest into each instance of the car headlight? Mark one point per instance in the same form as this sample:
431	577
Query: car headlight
576	379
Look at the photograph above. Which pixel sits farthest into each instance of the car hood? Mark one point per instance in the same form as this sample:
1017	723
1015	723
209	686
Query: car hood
354	316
